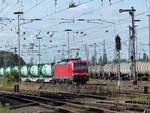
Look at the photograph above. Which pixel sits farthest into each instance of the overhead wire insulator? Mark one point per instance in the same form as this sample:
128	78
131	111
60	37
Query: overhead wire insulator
3	1
72	4
52	34
102	2
110	2
55	5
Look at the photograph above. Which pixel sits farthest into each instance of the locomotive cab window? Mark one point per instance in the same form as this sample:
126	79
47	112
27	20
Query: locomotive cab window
80	66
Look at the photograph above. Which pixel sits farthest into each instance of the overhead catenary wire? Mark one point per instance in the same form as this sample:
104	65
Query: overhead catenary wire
9	7
42	2
37	4
86	28
62	10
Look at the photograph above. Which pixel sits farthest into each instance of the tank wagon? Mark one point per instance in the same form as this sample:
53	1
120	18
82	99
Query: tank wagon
34	73
4	70
66	71
109	71
95	71
37	73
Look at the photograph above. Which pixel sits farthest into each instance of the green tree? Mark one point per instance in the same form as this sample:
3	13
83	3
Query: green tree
11	77
10	59
100	60
121	60
105	60
145	57
93	60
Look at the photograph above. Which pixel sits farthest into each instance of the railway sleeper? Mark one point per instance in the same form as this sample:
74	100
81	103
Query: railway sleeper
22	105
138	102
59	109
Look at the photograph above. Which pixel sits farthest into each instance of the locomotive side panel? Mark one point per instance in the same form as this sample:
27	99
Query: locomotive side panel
63	71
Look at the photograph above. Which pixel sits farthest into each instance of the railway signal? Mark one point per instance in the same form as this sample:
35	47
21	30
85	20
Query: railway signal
118	43
118	48
68	30
133	38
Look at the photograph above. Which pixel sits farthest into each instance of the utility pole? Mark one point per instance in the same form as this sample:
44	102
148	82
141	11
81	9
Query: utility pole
86	49
115	54
133	37
104	48
32	47
15	50
149	35
19	14
63	50
87	53
130	47
136	48
39	38
15	53
104	51
68	30
118	48
95	53
76	51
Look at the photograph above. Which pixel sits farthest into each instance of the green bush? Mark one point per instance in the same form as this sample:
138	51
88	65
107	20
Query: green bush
11	77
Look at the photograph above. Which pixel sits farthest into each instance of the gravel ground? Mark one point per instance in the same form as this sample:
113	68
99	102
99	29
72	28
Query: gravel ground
34	109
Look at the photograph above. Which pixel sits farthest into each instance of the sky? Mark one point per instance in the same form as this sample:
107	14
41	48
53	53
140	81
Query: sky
57	16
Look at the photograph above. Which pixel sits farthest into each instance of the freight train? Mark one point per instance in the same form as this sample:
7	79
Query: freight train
109	71
69	70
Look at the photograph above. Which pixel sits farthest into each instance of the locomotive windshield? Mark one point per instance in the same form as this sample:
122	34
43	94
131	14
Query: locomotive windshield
80	66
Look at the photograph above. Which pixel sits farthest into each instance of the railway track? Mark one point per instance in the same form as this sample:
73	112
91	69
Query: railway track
59	105
76	94
72	103
99	89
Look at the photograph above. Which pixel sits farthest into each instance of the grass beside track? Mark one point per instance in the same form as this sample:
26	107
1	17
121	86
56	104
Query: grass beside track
6	85
6	110
141	99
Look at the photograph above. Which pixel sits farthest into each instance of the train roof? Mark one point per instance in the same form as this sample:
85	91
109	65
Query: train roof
65	61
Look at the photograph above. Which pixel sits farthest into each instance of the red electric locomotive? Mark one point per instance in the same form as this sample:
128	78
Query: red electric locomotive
72	70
